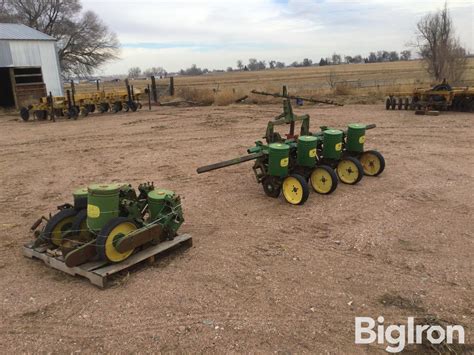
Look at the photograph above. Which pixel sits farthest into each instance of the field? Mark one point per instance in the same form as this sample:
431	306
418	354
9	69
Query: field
351	83
262	275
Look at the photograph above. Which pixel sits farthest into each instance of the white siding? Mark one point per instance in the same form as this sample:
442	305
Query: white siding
39	54
50	68
25	53
5	55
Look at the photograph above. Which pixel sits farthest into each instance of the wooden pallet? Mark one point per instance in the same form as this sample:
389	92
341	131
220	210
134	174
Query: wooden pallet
98	272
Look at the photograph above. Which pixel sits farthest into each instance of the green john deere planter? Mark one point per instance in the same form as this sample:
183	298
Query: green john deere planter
290	164
109	222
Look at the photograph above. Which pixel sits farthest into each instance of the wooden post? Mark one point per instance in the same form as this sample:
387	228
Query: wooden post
153	89
53	117
13	86
98	84
149	98
73	93
171	86
129	94
68	97
73	87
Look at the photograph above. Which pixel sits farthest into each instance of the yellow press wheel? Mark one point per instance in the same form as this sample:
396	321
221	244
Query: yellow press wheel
110	235
58	225
349	170
323	179
372	162
295	189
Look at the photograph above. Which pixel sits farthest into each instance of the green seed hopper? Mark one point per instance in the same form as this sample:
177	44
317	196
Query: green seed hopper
110	222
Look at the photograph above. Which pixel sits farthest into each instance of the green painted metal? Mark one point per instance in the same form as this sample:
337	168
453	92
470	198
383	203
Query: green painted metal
102	204
355	137
165	208
278	159
79	194
332	144
157	201
306	151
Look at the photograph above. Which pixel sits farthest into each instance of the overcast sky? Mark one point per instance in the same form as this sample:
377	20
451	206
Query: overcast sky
214	34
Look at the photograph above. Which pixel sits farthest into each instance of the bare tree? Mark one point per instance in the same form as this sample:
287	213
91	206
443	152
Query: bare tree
357	59
394	56
240	65
4	16
439	47
336	59
405	55
332	79
307	62
134	72
253	64
85	43
154	71
372	57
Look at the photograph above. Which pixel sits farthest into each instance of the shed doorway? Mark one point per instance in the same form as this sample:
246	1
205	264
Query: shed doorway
7	98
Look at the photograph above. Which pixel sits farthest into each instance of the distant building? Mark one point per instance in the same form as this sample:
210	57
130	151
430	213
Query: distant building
29	65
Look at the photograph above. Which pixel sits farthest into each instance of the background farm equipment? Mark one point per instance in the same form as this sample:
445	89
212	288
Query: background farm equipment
74	105
51	107
287	164
109	223
440	97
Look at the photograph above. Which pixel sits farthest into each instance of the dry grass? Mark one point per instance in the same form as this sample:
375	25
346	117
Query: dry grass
343	89
226	97
202	95
364	83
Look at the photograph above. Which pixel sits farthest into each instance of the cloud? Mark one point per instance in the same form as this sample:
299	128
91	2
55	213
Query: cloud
214	34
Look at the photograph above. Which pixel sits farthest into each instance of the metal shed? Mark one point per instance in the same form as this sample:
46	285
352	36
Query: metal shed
29	65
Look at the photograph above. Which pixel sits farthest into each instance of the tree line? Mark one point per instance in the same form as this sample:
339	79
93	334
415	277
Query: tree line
255	64
335	59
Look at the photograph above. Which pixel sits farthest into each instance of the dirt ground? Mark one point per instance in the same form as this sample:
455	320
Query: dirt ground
262	275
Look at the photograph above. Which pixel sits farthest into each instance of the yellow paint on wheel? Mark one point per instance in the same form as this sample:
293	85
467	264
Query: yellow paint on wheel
292	190
347	171
371	163
61	227
114	236
321	181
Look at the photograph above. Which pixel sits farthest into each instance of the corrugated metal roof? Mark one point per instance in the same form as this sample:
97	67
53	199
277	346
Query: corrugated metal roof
14	31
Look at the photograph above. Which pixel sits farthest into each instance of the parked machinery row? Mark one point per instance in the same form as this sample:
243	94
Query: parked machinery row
440	97
73	106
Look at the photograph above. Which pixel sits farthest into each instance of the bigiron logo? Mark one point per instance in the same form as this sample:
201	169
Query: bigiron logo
398	336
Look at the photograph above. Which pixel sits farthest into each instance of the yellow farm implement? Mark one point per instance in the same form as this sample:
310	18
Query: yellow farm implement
441	97
74	105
